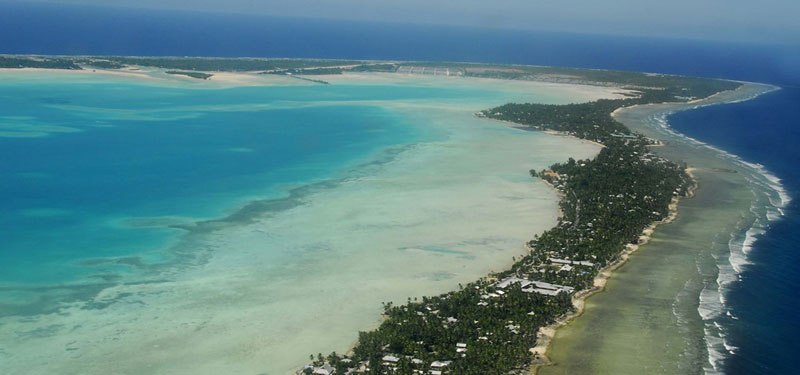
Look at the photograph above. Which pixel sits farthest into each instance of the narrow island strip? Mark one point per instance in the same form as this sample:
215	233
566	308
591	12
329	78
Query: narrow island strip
609	206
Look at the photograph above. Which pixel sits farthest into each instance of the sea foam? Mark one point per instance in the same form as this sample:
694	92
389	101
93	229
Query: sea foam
770	198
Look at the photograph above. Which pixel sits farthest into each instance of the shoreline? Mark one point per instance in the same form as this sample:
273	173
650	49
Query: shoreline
606	272
517	126
547	334
681	182
117	294
222	79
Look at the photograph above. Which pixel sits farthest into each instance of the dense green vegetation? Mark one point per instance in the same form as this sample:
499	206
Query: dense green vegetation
586	120
591	121
38	62
672	87
607	203
488	326
198	75
390	68
100	63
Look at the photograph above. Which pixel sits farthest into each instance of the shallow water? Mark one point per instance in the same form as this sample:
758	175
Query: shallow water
756	328
180	228
658	311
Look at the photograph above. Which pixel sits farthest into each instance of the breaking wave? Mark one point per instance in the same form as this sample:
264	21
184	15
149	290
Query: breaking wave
769	200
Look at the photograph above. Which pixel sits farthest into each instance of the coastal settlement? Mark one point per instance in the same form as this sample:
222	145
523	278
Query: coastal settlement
490	325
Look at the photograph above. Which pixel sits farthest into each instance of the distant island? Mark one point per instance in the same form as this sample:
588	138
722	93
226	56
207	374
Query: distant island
490	326
659	86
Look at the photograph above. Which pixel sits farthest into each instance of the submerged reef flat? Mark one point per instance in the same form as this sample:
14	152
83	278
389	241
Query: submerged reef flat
609	205
658	311
294	266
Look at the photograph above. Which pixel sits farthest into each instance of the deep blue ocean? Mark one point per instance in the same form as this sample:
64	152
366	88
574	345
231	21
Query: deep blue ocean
765	130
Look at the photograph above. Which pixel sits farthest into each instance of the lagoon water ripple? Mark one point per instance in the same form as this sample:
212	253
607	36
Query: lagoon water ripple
258	223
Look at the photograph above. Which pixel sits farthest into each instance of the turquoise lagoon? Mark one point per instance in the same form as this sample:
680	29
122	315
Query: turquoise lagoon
175	226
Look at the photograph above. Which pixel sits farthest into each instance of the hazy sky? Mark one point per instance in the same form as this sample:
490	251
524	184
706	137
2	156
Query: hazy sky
752	20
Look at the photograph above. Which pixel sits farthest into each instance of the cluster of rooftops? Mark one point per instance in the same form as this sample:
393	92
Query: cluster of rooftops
436	367
389	361
584	233
529	286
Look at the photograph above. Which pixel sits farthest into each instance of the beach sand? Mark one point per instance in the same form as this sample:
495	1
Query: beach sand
575	93
156	75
